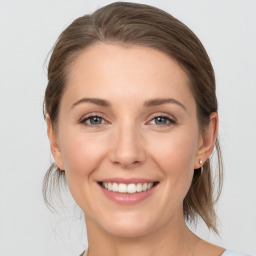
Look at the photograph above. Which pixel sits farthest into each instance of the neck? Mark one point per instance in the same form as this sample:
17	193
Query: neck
172	239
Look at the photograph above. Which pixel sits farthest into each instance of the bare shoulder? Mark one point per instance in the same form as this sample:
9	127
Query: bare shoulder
204	248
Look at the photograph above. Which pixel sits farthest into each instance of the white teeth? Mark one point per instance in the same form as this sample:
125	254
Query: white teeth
127	188
150	185
122	188
115	187
139	187
144	186
131	188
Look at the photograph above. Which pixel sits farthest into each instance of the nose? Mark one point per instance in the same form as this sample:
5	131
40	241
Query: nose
128	149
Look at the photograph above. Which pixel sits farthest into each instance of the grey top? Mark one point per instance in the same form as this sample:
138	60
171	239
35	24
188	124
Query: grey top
226	253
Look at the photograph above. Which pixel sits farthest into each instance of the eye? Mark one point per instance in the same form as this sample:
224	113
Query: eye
93	120
162	120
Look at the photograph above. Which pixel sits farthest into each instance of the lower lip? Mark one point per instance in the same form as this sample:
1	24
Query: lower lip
126	198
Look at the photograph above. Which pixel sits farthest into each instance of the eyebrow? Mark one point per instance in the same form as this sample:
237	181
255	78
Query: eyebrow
148	103
96	101
158	101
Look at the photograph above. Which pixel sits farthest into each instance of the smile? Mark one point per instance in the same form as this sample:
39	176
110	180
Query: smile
127	191
128	188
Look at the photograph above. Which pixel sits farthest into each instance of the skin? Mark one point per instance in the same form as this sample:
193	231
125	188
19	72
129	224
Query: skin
128	142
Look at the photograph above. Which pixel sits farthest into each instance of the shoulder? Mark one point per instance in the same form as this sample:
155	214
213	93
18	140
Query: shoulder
232	253
206	248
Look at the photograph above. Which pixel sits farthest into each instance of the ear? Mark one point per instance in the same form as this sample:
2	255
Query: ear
207	141
53	138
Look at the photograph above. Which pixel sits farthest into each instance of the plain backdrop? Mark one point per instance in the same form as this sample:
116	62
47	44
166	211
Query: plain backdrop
28	30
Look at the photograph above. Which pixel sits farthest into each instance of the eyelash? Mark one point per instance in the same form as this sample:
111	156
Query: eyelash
170	121
166	117
86	118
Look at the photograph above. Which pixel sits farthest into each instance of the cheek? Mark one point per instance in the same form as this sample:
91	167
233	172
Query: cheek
81	153
175	156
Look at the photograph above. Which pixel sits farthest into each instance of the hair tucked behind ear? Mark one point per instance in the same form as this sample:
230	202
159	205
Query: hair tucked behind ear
54	181
137	24
203	185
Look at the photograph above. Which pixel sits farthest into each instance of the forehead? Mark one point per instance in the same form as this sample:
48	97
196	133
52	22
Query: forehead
126	73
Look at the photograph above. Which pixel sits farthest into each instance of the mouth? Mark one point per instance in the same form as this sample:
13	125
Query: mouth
128	188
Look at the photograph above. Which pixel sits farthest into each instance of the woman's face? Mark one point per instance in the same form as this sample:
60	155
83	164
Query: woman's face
127	121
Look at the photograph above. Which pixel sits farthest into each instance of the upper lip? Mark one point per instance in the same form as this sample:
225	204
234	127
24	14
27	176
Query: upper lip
128	181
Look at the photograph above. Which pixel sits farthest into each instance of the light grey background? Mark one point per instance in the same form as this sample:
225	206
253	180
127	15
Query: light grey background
28	30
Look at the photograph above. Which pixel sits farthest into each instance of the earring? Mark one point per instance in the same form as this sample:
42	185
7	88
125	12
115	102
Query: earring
201	163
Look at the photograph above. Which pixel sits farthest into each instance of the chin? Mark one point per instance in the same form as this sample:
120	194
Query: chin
125	230
128	225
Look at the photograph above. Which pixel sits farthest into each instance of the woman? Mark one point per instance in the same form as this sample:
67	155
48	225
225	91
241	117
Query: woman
132	121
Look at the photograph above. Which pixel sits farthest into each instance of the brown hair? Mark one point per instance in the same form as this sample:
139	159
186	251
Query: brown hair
139	24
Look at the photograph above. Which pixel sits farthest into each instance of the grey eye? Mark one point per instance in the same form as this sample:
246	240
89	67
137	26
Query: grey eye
94	120
161	120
